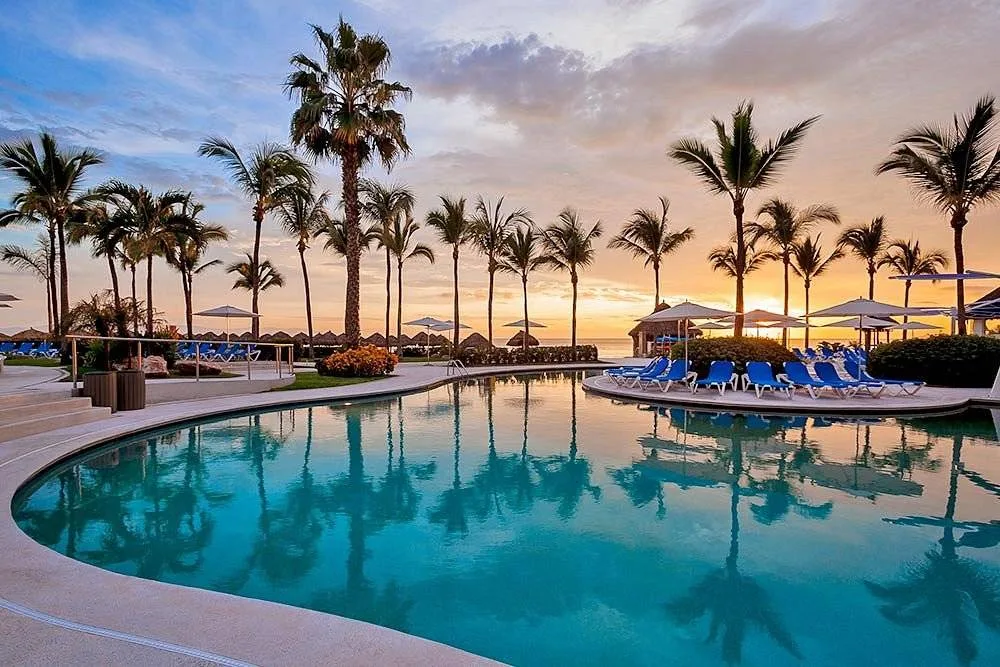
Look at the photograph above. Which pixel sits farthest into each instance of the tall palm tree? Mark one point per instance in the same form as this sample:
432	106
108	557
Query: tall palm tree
188	251
808	263
907	258
301	215
265	278
867	243
25	216
35	261
52	185
955	168
523	254
490	231
131	256
785	227
268	175
454	227
381	205
647	235
346	113
335	232
105	232
401	243
739	166
726	259
569	247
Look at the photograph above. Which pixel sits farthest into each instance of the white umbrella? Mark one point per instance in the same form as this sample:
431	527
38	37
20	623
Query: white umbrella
429	323
914	326
227	311
685	312
866	323
715	326
520	324
859	308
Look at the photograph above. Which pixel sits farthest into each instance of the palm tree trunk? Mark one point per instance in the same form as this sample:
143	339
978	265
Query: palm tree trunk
258	220
149	296
454	259
572	343
489	306
63	276
906	304
399	309
309	310
741	260
187	280
48	304
352	217
527	327
388	293
785	260
135	309
957	225
656	281
807	313
120	322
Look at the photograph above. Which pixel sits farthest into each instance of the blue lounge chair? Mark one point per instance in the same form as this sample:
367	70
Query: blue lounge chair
828	373
760	376
45	351
678	373
908	387
797	374
7	347
22	350
616	373
720	375
643	379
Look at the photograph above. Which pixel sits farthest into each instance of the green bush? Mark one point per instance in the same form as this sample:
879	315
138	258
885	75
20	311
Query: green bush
703	351
945	361
503	356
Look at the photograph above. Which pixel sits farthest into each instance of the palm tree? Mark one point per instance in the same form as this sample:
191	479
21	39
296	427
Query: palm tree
52	189
907	258
188	251
336	236
269	175
739	166
956	169
266	278
454	227
346	113
570	247
105	232
867	243
490	230
36	261
401	244
523	255
301	215
808	263
381	205
726	259
785	227
131	256
647	235
24	216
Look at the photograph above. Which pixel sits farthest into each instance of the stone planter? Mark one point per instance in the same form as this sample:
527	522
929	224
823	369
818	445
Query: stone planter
101	388
131	390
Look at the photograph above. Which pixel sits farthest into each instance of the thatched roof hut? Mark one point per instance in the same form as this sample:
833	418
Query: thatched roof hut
4	336
440	339
265	338
327	338
517	340
302	337
475	340
405	340
245	337
281	337
376	339
644	334
421	339
31	334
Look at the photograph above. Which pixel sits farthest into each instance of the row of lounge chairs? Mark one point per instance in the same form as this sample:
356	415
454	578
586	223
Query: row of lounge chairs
223	352
44	350
663	375
829	354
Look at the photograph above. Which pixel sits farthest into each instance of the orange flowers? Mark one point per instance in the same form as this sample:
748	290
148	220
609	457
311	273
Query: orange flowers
364	361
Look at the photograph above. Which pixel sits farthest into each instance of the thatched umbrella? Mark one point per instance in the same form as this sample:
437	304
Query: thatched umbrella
282	337
245	337
438	339
422	339
475	340
301	337
4	336
264	338
517	340
376	339
405	340
208	335
328	338
341	338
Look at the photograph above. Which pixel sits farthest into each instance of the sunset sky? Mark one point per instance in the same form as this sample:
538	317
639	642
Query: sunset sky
548	103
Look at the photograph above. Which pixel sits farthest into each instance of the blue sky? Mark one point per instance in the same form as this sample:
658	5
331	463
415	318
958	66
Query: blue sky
550	103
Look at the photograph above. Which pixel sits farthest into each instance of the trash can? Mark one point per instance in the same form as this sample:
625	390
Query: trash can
101	389
131	390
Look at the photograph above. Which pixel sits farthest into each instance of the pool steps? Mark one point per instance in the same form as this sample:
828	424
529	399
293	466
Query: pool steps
33	412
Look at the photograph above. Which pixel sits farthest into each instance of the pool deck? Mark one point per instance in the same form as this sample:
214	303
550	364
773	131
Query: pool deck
55	610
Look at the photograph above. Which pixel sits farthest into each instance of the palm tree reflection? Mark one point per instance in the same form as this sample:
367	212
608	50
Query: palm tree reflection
452	508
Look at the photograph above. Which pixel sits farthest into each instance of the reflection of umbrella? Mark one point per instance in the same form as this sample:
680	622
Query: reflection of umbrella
851	477
227	311
684	312
4	305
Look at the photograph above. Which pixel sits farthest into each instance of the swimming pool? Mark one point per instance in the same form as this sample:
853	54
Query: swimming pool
524	520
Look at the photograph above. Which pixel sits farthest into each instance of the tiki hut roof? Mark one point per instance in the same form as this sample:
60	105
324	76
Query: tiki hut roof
517	340
328	338
4	336
421	339
376	339
208	335
281	336
265	338
651	329
405	340
302	337
475	340
31	334
440	339
245	337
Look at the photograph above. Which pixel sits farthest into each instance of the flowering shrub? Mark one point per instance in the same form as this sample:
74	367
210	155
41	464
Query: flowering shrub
503	356
365	361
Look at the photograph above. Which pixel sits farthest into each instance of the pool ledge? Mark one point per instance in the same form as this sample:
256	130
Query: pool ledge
56	610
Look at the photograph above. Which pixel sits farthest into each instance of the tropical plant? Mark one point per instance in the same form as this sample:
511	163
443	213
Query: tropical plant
52	189
569	247
490	230
301	216
381	205
454	227
739	167
808	262
268	175
401	243
907	258
867	243
265	278
648	236
956	169
36	261
364	361
522	255
346	113
701	352
784	228
188	251
726	258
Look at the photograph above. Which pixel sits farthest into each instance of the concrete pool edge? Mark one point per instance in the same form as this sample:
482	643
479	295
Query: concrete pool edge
167	622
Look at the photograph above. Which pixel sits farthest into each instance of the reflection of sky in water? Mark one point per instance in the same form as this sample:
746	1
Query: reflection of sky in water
627	548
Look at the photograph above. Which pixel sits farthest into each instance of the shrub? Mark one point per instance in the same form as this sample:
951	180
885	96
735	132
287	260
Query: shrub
503	356
946	361
703	351
364	361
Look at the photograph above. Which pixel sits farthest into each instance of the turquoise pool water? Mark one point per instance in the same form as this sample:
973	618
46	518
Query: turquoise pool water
524	520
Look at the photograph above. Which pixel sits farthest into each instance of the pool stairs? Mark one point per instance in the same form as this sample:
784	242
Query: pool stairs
31	413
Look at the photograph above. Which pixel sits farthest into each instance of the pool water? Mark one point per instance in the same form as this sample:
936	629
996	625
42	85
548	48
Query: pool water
521	519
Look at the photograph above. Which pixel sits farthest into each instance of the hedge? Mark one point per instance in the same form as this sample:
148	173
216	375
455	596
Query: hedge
945	361
703	351
502	356
364	361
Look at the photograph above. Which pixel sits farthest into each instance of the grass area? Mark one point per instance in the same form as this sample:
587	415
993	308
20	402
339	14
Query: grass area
317	381
31	361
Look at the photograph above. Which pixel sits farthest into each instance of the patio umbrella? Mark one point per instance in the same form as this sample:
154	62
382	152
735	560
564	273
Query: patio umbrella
520	324
914	326
859	308
527	325
685	312
517	340
866	323
227	311
715	326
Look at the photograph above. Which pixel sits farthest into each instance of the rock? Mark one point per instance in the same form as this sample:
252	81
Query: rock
155	367
187	368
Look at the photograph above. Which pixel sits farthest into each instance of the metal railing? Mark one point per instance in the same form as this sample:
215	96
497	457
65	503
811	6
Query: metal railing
280	355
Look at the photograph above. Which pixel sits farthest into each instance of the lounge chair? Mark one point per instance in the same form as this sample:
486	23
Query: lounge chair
616	373
7	347
799	354
44	351
828	373
760	376
642	380
22	350
720	375
798	375
908	387
678	373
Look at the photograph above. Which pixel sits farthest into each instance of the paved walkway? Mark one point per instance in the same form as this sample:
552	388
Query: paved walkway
16	379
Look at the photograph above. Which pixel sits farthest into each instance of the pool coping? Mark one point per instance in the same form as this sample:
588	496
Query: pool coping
76	611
